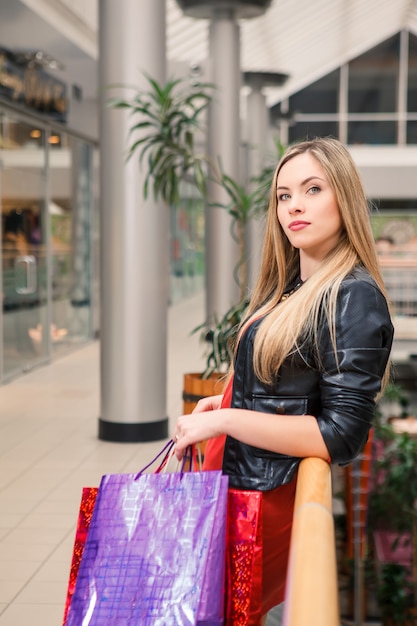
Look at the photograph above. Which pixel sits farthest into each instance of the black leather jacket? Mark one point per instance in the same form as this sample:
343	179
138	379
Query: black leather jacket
340	395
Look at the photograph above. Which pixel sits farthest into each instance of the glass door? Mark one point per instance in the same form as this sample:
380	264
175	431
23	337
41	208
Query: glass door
23	245
71	199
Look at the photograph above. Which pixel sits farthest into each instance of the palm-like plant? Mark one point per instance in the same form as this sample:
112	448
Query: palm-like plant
219	335
241	208
166	119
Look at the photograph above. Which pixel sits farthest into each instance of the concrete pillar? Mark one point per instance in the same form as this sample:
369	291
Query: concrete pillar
223	137
223	144
134	235
257	133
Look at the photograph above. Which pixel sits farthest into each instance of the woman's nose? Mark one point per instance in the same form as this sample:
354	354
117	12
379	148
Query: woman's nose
295	206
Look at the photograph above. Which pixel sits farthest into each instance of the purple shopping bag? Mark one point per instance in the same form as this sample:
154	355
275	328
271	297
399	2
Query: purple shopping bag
154	553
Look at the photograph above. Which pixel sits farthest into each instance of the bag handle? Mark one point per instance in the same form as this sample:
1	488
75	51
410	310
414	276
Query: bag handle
166	451
192	454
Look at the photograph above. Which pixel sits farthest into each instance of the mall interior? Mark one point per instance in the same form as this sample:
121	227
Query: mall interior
103	287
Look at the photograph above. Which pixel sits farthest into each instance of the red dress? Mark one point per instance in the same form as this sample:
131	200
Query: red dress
277	514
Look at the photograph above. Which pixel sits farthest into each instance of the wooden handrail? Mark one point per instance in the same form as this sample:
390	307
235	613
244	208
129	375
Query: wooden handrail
312	597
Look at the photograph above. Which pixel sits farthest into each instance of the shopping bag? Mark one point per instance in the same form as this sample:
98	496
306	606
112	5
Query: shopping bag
88	499
244	558
154	553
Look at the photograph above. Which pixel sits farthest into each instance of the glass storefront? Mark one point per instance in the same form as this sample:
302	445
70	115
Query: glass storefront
70	165
47	201
50	242
24	258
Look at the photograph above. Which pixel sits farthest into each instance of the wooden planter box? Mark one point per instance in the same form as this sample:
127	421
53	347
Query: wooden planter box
196	388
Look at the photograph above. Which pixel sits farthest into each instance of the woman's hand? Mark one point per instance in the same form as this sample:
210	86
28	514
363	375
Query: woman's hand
197	427
208	404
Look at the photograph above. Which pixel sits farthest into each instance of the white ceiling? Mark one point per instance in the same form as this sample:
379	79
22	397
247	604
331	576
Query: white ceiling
302	38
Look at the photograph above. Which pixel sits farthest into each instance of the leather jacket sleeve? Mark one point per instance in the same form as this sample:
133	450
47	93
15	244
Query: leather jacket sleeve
349	384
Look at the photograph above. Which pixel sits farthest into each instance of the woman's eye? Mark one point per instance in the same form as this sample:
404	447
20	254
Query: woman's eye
283	196
314	189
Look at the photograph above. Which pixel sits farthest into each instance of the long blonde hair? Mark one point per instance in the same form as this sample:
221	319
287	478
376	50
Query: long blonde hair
298	316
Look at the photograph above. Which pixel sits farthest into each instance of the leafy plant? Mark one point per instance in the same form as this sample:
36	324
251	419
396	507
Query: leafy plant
168	118
394	494
394	593
395	393
241	207
247	203
219	338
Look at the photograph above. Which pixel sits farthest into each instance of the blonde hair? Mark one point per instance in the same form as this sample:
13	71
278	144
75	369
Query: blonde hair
297	318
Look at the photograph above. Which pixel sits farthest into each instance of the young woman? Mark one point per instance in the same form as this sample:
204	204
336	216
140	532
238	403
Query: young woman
313	352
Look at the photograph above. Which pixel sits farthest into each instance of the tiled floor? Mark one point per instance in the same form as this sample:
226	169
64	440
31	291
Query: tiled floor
49	450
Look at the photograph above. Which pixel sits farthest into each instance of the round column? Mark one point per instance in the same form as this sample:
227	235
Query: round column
134	236
224	143
257	132
221	251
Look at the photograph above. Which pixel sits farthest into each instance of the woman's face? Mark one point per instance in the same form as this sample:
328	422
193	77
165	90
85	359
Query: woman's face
307	209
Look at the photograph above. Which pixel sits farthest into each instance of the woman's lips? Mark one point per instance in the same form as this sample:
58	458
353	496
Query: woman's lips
297	225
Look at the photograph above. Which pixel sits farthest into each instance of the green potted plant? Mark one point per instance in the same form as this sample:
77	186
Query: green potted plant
165	122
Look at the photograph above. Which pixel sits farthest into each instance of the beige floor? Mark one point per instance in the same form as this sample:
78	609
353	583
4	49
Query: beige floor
48	451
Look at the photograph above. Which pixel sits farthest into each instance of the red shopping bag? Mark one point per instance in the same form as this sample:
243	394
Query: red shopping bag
244	558
88	499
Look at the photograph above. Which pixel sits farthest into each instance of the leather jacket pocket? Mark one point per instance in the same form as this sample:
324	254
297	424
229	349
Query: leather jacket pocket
278	405
281	405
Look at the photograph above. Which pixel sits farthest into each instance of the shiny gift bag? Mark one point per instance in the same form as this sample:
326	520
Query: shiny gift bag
154	553
88	499
244	558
